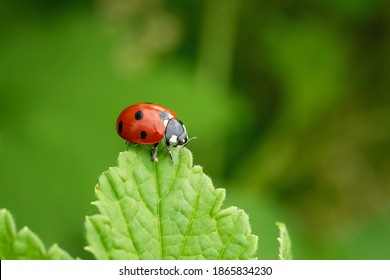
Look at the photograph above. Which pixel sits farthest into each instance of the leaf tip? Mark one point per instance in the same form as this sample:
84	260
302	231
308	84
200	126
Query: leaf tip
284	242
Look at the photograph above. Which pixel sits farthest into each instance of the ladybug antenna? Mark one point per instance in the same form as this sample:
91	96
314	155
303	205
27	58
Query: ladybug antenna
192	138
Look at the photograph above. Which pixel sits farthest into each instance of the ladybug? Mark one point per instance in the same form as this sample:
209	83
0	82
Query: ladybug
148	123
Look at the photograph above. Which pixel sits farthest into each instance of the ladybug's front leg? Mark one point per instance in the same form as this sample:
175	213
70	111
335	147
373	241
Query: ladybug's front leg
169	150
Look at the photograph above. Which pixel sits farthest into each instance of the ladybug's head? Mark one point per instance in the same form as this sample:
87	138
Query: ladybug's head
176	133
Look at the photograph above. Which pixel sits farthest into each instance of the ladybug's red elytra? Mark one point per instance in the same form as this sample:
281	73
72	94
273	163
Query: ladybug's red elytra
148	123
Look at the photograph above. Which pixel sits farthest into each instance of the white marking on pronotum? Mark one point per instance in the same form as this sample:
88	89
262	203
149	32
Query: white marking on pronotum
165	123
173	139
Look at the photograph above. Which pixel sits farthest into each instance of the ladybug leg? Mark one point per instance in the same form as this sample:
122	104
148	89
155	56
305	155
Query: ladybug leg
169	150
128	145
154	152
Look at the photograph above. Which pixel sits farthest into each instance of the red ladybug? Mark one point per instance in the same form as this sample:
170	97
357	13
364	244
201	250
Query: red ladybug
148	123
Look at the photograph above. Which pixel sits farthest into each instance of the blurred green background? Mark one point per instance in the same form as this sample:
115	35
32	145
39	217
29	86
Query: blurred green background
289	101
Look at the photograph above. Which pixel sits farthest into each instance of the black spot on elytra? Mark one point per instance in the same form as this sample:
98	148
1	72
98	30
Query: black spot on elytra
164	116
143	134
120	127
138	115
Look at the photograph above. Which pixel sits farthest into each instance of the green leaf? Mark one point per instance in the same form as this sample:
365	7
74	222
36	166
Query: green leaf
57	253
24	245
284	242
164	210
7	233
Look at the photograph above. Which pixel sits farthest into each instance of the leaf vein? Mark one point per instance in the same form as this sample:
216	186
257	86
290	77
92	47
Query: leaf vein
190	223
124	217
229	239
